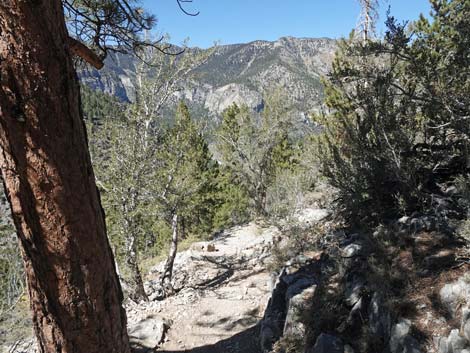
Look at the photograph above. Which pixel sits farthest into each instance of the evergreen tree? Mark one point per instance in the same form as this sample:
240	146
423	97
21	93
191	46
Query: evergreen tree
98	106
127	154
233	202
255	147
187	173
397	134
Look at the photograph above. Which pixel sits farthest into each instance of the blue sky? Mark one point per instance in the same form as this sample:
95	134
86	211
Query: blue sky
239	21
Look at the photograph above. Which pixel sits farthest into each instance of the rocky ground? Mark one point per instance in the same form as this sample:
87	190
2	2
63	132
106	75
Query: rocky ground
223	287
402	288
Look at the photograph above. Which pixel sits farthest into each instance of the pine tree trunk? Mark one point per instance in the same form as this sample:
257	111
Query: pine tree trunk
74	291
170	261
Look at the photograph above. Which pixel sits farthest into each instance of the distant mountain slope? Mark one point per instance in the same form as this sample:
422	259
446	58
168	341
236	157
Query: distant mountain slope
236	73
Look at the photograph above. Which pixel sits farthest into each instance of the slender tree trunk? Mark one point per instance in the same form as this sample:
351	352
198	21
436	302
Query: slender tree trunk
74	291
137	292
170	261
260	202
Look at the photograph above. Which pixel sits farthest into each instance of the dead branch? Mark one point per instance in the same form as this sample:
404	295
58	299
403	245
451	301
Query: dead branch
81	50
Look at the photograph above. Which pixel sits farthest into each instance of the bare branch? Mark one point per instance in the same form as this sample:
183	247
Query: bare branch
81	50
180	2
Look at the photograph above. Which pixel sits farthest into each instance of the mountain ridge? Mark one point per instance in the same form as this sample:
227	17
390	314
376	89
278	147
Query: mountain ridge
235	73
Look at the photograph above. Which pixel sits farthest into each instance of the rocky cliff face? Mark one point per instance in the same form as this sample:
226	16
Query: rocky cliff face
238	73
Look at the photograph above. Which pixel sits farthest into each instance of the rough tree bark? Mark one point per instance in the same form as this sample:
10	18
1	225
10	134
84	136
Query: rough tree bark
74	290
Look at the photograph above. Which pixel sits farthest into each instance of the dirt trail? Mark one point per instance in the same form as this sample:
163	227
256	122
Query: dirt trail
227	290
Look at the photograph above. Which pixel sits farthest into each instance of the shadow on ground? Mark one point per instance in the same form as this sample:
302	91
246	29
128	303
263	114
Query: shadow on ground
244	342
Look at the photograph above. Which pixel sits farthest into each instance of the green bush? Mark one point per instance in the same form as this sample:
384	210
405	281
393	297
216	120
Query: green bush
397	132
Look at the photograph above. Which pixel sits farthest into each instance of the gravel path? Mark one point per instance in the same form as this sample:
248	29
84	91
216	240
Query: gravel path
221	313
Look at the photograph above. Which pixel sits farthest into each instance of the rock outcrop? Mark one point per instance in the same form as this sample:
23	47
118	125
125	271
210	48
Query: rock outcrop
363	295
292	294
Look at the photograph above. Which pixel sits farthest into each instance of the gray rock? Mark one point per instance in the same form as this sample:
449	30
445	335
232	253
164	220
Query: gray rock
354	289
379	317
268	336
327	344
441	344
272	323
453	294
221	98
296	306
354	318
348	349
148	333
398	335
465	323
298	286
404	220
423	223
416	224
352	250
293	292
410	345
456	342
157	294
309	216
291	295
400	330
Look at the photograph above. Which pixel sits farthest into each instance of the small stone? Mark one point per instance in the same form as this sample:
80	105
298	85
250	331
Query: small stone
457	342
354	290
398	334
310	216
211	248
352	250
148	333
404	220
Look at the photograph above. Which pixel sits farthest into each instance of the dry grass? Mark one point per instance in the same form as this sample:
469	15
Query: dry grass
16	323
